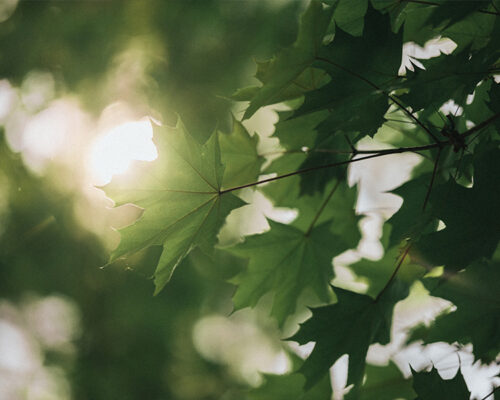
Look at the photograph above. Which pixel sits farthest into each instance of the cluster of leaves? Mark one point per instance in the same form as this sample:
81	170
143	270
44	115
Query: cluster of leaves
342	81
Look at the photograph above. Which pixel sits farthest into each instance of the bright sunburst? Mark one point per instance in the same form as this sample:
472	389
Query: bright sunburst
113	151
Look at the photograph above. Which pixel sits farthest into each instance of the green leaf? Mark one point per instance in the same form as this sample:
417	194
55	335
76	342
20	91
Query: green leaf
286	261
349	16
309	79
291	387
458	21
300	133
446	77
356	85
383	383
180	195
475	293
410	221
240	157
292	62
494	103
430	386
347	327
294	133
475	31
448	14
471	217
416	28
328	153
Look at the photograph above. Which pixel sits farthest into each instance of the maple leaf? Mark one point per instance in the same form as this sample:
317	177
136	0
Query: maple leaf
285	261
180	193
447	77
356	85
430	386
471	217
299	133
404	223
476	318
347	327
240	157
309	79
456	21
291	62
349	15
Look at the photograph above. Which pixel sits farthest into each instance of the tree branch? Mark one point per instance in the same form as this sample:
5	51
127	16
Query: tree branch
481	125
371	154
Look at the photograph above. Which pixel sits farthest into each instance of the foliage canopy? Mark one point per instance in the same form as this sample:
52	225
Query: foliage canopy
342	81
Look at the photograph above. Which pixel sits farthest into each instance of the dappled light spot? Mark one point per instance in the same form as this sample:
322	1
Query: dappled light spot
241	345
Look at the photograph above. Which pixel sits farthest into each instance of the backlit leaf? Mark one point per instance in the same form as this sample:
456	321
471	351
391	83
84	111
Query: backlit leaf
180	195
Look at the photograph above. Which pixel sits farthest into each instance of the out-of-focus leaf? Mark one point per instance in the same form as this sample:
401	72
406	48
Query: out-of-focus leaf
349	16
291	62
291	387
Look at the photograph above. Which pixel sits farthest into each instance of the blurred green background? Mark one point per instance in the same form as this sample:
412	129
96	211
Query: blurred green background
70	73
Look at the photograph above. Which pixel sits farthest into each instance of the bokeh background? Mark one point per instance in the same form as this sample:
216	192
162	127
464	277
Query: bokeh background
79	83
77	80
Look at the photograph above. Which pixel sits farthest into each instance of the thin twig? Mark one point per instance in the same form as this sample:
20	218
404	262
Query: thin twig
372	154
481	125
394	273
489	394
488	12
434	170
413	117
315	219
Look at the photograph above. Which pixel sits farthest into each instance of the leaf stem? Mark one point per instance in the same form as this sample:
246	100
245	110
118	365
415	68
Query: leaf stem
394	273
315	219
489	394
434	170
